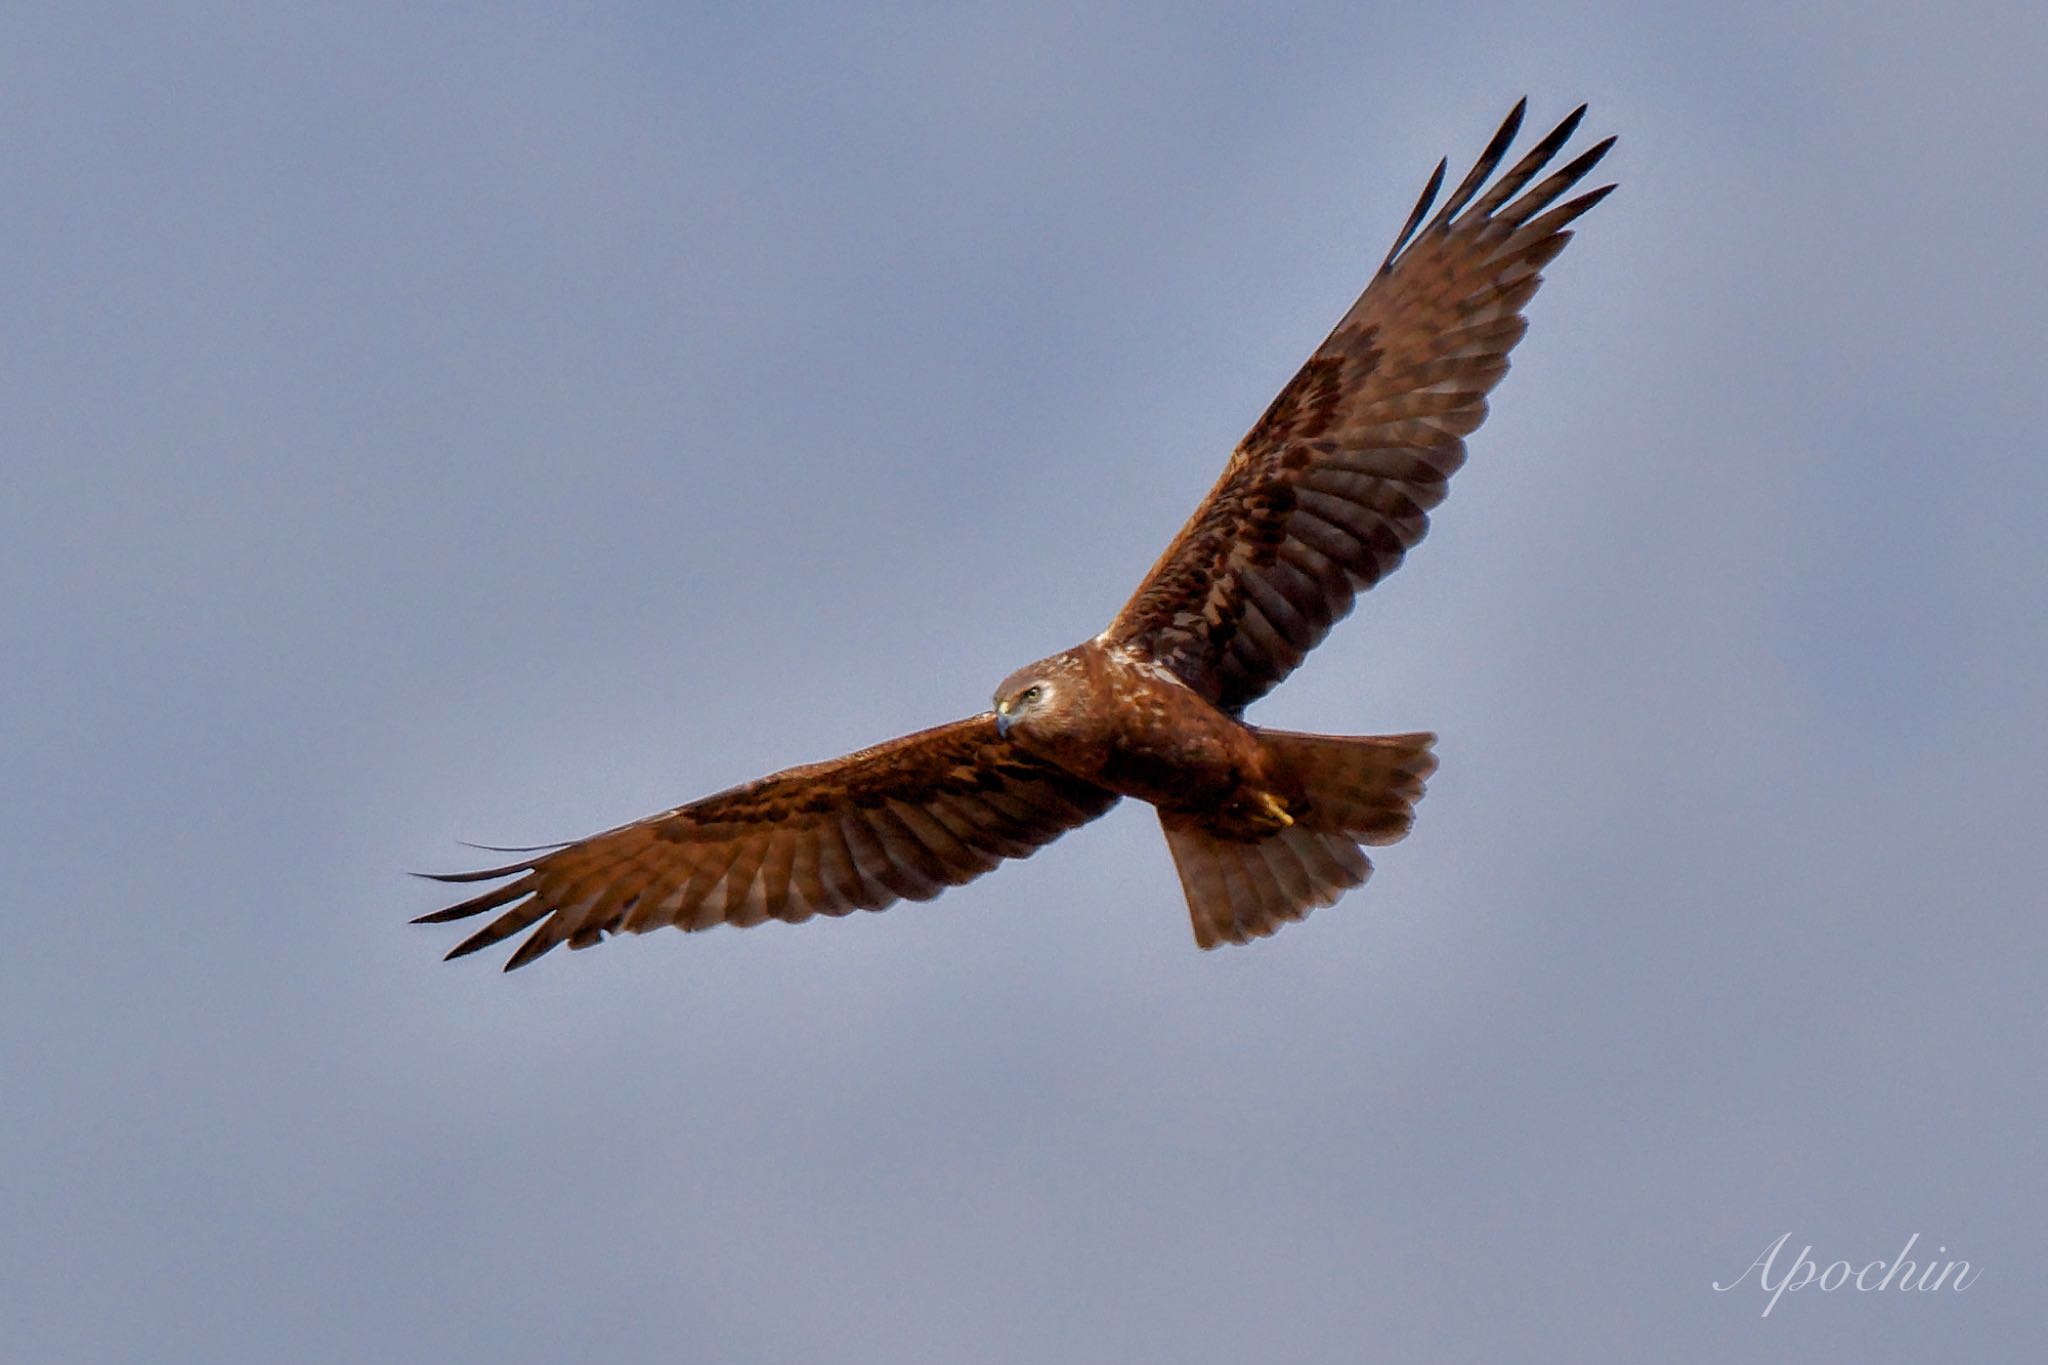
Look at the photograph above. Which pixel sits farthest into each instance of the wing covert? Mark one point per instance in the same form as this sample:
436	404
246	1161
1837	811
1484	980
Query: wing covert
1334	484
900	821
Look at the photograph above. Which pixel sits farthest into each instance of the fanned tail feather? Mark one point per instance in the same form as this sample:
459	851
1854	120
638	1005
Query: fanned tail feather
1354	791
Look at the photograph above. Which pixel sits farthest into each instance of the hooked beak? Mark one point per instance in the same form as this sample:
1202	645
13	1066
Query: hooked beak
1003	720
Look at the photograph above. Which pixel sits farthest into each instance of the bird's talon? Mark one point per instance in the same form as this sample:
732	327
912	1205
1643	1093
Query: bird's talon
1272	806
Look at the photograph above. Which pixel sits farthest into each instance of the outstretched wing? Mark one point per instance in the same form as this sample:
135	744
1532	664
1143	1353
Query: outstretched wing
1334	484
905	819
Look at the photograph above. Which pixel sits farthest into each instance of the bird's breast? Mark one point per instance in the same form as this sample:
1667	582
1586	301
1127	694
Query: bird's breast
1167	745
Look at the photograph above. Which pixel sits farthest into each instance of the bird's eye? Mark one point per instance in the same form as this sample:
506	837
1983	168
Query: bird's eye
1028	695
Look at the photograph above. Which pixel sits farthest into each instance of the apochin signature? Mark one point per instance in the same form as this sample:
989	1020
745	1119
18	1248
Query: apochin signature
1897	1274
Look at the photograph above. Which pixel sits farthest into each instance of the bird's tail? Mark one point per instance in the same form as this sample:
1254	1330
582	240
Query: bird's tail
1354	790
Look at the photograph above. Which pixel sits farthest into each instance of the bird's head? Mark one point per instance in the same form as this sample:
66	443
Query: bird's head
1031	699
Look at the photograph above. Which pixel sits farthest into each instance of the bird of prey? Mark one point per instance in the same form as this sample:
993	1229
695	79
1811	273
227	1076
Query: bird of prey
1331	487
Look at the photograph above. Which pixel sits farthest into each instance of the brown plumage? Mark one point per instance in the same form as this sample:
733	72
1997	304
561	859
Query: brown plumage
903	820
1335	483
1322	498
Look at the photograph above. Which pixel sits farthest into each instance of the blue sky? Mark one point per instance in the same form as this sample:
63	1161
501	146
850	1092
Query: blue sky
500	422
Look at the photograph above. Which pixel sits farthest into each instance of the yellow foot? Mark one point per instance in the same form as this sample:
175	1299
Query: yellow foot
1271	805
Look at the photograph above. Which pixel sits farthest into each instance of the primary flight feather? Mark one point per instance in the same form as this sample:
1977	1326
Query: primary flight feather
1331	487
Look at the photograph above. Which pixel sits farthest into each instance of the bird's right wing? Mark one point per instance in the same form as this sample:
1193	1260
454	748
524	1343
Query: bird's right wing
903	820
1334	484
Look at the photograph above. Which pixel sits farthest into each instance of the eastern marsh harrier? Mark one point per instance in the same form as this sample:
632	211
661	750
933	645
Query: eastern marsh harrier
1320	501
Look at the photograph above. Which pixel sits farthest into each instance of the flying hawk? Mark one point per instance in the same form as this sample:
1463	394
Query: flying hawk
1319	502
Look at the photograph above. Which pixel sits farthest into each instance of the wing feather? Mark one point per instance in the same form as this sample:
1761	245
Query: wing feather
804	894
1335	482
843	891
903	820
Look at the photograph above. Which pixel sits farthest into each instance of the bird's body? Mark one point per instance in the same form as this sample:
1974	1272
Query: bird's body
1319	501
1116	719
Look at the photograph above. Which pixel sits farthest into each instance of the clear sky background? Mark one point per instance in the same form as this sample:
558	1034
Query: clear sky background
500	422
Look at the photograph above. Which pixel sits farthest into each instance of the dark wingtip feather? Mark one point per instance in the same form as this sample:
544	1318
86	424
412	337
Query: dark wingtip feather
1523	171
1557	136
465	948
1590	158
1522	212
537	943
489	900
1503	138
1588	199
489	873
1436	182
484	875
1509	126
1546	147
1565	176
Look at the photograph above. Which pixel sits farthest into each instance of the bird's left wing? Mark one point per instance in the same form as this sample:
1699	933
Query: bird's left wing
903	820
1334	484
